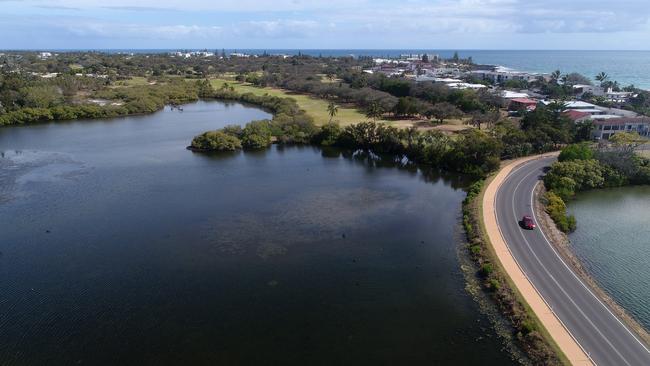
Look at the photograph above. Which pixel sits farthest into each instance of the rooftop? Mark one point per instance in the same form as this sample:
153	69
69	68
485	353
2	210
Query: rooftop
524	100
508	94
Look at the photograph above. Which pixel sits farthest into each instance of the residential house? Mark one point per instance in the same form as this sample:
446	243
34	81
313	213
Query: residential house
521	104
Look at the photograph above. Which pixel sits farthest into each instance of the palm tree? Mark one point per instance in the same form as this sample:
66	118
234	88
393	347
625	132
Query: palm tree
602	77
332	110
555	76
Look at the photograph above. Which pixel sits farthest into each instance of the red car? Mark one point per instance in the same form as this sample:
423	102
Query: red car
528	223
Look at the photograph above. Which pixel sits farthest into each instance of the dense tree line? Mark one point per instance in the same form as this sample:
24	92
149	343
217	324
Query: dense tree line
582	167
25	99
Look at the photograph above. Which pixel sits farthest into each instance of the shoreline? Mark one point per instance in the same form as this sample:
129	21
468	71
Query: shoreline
562	245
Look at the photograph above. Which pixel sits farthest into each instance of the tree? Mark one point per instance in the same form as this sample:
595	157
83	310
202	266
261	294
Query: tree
555	76
425	58
332	110
602	77
580	151
406	107
574	78
489	118
216	141
444	110
374	111
256	135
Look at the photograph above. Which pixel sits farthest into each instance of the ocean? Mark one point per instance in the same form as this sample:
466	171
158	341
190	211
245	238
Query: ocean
626	67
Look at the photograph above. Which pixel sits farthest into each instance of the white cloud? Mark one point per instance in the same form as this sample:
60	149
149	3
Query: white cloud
277	29
334	23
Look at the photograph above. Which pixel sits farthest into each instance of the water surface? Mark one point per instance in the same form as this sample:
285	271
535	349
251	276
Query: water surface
613	242
121	247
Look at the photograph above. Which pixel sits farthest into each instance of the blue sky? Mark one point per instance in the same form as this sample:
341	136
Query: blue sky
302	24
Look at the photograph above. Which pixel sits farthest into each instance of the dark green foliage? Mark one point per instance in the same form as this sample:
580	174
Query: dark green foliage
40	101
297	129
581	151
328	135
204	88
216	141
256	135
487	269
565	178
406	107
475	152
442	111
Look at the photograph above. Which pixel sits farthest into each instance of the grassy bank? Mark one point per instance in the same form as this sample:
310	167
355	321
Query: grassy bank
317	108
529	332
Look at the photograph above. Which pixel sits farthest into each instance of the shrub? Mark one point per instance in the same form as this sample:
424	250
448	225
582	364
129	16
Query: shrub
487	269
580	151
556	209
256	135
328	135
495	285
216	141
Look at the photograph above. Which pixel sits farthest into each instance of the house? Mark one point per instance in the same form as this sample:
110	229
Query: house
466	86
577	116
520	104
501	75
604	129
581	89
508	94
618	97
581	106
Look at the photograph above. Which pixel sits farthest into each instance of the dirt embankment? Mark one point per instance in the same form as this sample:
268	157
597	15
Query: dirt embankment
562	245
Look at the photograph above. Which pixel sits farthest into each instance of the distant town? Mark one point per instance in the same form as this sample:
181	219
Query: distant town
605	104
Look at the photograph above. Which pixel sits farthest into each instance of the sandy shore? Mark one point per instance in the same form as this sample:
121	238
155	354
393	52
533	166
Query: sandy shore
553	325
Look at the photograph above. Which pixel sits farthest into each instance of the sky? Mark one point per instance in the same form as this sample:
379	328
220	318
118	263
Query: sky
325	24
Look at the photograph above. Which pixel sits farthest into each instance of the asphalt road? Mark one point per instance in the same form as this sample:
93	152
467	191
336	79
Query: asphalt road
591	323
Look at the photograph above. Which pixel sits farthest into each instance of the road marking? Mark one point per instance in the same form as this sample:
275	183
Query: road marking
580	281
514	258
532	251
564	263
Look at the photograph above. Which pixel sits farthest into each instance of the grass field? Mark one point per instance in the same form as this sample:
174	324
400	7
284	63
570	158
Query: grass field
316	108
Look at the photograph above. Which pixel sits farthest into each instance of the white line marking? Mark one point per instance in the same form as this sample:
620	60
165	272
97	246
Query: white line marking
548	273
585	286
564	263
521	268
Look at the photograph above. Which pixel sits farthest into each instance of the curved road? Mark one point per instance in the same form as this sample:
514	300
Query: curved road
591	323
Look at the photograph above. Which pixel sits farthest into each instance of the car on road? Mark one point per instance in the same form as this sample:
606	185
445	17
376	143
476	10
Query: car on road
528	223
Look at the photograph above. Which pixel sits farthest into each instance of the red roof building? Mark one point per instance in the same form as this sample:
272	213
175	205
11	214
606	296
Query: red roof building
577	116
518	104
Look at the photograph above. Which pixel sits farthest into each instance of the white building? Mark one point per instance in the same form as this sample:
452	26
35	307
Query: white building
605	129
501	75
466	86
508	94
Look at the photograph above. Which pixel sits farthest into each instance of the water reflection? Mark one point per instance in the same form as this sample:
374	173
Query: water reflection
153	254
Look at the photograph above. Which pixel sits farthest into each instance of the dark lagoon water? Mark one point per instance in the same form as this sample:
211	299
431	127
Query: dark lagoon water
119	246
613	241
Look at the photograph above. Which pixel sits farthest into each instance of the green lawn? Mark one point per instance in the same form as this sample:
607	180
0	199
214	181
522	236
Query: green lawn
316	107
